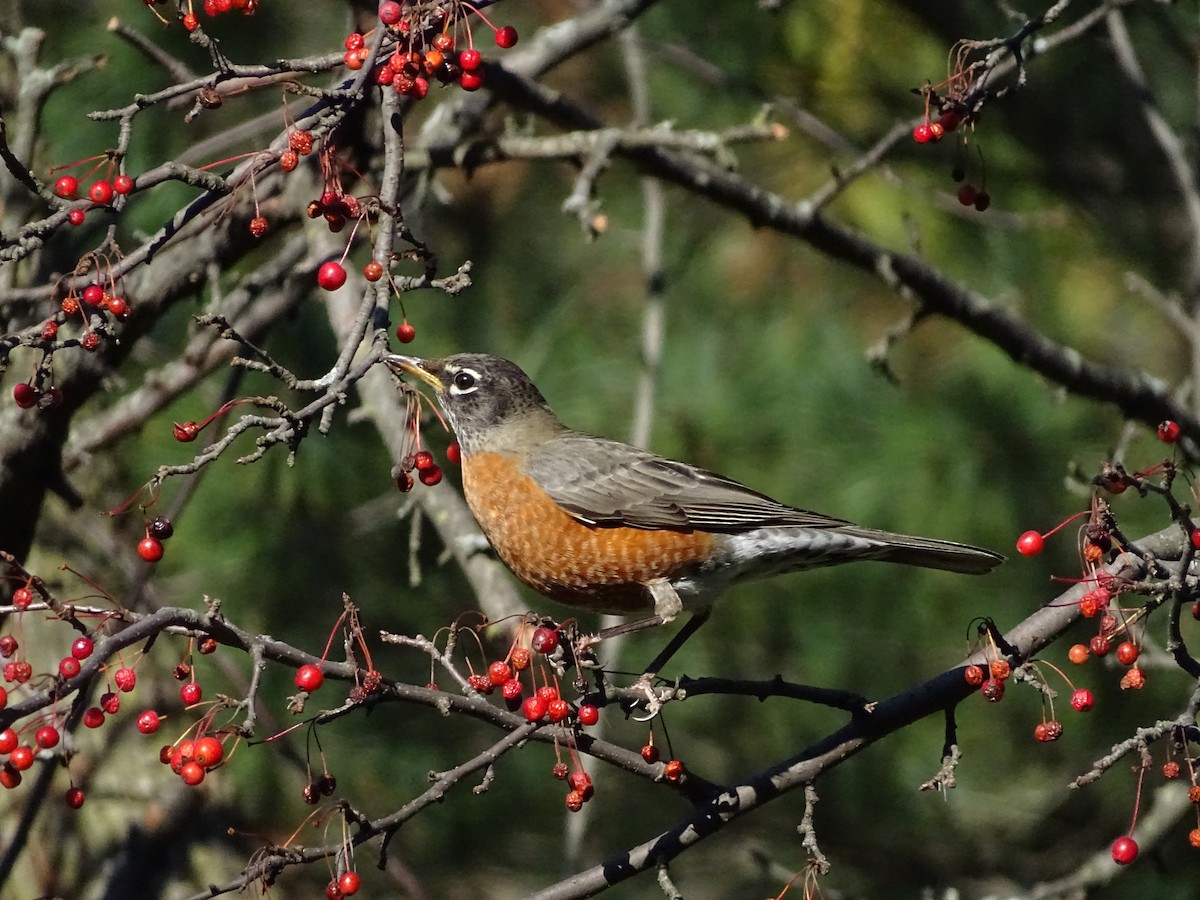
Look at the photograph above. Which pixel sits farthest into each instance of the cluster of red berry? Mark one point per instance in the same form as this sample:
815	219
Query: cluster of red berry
212	8
200	749
428	471
100	193
47	736
345	885
417	58
97	307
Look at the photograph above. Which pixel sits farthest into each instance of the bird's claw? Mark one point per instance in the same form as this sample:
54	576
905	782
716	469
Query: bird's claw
653	703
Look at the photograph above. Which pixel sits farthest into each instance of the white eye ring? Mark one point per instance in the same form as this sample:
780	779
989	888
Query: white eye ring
465	381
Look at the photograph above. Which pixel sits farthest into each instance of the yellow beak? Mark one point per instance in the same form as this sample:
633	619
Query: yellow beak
415	366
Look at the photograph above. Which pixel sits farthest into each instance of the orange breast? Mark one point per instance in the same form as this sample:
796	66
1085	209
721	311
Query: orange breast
602	569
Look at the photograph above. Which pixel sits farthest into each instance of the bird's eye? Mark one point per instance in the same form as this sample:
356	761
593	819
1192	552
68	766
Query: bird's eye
464	381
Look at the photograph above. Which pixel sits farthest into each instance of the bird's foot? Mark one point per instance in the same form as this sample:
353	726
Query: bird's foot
653	703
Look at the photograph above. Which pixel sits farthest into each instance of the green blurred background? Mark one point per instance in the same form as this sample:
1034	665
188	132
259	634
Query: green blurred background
764	378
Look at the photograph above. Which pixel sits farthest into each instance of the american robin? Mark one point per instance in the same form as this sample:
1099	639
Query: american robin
612	528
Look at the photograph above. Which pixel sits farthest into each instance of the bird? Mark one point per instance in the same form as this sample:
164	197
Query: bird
605	526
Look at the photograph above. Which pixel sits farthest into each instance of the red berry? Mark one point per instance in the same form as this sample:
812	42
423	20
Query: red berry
1170	769
354	41
3	698
74	797
147	722
118	307
331	276
101	192
76	217
468	81
1127	653
582	782
967	195
480	683
559	771
192	773
90	341
389	12
1078	654
126	680
209	751
673	771
430	476
349	883
453	453
444	42
650	753
1048	731
506	36
548	693
46	737
1124	850
1099	645
1030	543
67	187
499	672
423	459
301	142
973	675
544	640
405	333
68	667
190	22
21	598
534	708
82	648
93	717
8	740
469	60
1082	700
8	646
574	801
150	549
511	690
110	703
588	714
122	184
191	693
26	395
922	134
372	271
309	677
935	132
558	709
992	690
1168	431
982	201
1000	669
9	776
21	757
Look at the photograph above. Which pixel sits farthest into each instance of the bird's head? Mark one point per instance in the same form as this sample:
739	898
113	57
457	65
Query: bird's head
490	402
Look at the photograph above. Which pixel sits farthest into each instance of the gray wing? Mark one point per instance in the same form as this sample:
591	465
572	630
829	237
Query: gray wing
611	484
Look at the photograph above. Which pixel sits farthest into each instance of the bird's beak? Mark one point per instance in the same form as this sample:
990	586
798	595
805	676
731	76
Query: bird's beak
415	366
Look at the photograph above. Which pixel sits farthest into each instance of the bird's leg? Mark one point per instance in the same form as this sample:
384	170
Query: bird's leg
690	627
645	682
667	604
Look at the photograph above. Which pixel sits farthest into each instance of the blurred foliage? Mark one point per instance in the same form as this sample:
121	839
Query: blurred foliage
765	378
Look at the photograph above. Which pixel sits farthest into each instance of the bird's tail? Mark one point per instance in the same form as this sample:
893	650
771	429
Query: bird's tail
928	553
